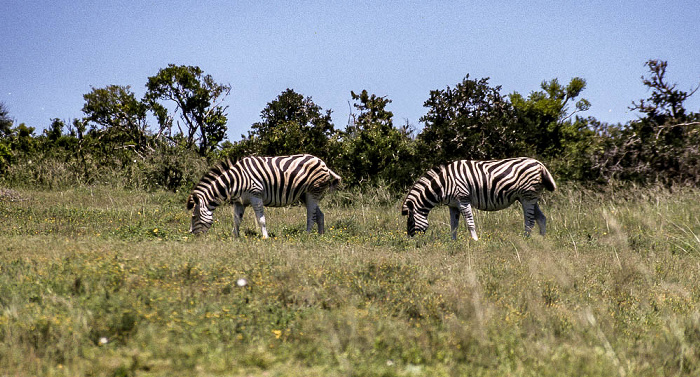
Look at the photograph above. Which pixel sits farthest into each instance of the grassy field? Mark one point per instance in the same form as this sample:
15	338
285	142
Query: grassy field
107	282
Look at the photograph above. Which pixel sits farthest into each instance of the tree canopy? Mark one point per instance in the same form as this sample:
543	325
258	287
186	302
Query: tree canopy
291	124
373	150
544	122
665	102
198	101
5	120
121	116
470	120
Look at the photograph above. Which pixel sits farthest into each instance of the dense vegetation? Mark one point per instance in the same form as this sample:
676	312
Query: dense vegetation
114	143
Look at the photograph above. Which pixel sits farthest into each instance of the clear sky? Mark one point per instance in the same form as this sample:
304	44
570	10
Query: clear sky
53	52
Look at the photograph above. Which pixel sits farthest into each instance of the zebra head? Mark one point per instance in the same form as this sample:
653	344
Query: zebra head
417	220
202	216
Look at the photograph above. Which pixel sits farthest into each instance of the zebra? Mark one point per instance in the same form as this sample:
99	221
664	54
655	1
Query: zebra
262	181
485	185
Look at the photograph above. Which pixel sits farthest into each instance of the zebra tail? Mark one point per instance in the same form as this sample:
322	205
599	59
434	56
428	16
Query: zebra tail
548	180
335	179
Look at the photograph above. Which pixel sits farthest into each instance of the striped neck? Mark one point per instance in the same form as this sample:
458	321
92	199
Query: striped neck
219	184
432	189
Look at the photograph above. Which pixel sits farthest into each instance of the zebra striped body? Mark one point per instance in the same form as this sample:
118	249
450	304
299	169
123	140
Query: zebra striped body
261	181
485	185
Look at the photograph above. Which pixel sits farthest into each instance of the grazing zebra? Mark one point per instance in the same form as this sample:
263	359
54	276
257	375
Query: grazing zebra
485	185
261	181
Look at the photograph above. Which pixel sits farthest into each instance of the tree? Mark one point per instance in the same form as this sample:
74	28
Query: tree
372	149
292	124
5	130
5	120
22	139
373	113
662	146
544	122
666	102
470	121
121	116
197	98
55	130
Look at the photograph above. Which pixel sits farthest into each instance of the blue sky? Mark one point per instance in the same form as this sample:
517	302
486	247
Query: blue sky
51	53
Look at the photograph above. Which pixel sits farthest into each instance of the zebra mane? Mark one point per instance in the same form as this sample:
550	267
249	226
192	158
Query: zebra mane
221	166
430	176
434	171
209	177
214	173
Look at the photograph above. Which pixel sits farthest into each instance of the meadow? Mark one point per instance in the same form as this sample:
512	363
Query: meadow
102	281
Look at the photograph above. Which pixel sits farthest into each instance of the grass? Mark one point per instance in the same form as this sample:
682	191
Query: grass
104	282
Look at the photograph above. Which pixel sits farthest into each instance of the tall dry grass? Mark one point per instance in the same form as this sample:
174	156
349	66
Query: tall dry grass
98	281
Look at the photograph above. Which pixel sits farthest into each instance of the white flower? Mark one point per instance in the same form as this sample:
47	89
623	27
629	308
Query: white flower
104	340
241	282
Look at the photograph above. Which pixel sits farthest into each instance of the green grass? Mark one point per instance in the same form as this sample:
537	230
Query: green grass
104	282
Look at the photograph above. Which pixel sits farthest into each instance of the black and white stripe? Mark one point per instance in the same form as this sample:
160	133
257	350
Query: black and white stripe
485	185
262	181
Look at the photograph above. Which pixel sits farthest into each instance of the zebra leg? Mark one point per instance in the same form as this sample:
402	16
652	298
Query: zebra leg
314	214
320	220
311	212
238	210
454	221
529	215
541	219
466	209
257	205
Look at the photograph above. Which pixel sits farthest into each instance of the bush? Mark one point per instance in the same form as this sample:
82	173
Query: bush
172	168
69	162
644	153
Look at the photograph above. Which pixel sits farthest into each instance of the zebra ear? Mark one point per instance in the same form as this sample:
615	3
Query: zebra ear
190	202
